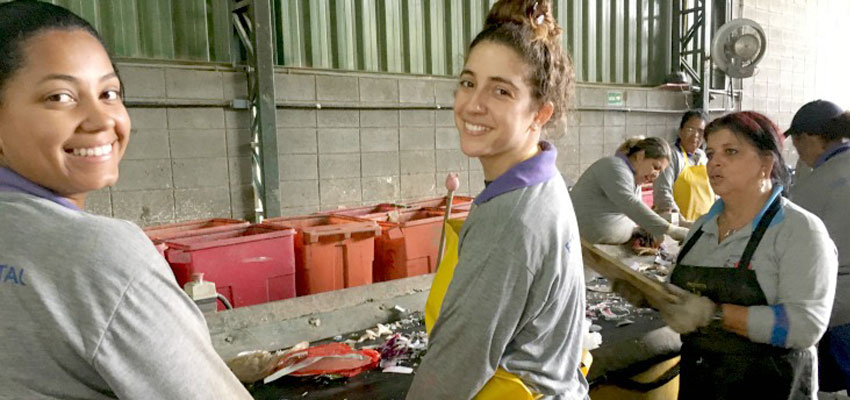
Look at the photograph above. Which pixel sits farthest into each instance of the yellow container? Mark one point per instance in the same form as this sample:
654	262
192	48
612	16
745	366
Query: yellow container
658	382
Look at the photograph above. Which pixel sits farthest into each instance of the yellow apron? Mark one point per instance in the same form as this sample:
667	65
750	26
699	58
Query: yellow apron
503	384
692	191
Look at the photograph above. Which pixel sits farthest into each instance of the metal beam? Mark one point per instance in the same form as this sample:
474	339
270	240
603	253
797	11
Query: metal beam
690	43
252	21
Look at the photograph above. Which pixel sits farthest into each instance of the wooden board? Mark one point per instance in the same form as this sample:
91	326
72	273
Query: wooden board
613	268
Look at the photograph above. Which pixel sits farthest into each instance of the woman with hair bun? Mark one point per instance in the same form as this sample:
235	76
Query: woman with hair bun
607	195
511	321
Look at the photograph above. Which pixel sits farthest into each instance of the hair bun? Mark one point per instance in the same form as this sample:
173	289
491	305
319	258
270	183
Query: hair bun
536	14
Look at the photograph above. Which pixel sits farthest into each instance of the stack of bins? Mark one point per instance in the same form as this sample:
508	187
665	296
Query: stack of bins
248	264
161	233
331	252
408	243
459	203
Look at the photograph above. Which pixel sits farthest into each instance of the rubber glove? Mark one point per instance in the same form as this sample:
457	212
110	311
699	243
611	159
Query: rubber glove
688	314
678	233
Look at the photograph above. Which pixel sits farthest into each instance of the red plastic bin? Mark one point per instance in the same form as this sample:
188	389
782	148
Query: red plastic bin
646	195
408	245
161	233
459	203
331	252
249	265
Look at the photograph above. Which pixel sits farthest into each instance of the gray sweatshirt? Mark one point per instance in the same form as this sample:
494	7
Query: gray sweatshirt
795	266
826	193
662	188
608	204
516	300
90	310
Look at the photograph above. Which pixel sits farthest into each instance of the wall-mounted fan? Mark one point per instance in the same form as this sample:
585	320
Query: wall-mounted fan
738	46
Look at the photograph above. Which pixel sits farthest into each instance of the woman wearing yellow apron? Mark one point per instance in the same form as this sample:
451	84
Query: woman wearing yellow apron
684	187
510	324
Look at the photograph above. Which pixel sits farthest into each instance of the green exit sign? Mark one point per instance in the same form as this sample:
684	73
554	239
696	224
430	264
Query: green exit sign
615	98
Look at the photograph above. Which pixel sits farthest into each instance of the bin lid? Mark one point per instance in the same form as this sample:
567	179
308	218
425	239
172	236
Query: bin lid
180	229
230	237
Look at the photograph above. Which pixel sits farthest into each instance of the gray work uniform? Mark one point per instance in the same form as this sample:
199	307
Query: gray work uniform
795	265
516	299
91	310
662	188
754	268
826	193
608	205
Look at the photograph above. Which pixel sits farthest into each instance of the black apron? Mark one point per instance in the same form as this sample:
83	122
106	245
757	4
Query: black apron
718	364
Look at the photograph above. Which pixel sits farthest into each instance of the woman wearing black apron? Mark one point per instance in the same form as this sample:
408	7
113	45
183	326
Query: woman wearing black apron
755	277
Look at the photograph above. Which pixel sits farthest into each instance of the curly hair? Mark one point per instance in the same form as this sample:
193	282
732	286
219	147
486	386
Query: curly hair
527	27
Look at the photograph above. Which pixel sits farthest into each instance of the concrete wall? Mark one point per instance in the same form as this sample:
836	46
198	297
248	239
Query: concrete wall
805	59
188	163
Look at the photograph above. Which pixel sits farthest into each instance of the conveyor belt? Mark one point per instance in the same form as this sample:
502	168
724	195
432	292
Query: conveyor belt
624	349
370	385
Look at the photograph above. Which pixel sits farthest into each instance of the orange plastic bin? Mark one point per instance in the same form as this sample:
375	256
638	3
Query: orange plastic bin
459	203
408	245
161	233
365	210
331	252
249	265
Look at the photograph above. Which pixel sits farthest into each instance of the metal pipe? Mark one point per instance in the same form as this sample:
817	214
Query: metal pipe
629	109
170	103
165	103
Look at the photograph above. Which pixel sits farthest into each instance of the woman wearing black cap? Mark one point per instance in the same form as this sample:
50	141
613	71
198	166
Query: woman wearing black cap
821	134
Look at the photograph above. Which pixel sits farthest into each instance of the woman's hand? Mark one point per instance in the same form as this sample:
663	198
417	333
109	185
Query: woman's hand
688	314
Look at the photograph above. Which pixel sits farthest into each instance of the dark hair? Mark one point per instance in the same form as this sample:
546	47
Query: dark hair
527	27
837	128
652	147
20	20
761	133
692	114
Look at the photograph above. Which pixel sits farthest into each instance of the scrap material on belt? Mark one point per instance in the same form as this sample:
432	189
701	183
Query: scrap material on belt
613	268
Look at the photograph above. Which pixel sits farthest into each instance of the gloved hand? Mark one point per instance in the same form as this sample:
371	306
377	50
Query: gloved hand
678	233
630	293
689	313
685	223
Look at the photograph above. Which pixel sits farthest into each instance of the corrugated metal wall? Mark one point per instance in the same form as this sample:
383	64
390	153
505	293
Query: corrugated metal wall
188	30
611	41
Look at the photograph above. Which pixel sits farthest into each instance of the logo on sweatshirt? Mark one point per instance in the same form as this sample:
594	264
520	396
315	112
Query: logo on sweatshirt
11	275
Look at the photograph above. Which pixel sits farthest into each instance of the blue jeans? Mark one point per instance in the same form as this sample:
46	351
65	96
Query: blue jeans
834	353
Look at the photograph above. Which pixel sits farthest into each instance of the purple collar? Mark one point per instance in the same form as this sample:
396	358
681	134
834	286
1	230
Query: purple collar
539	168
831	152
626	160
678	145
691	156
11	181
